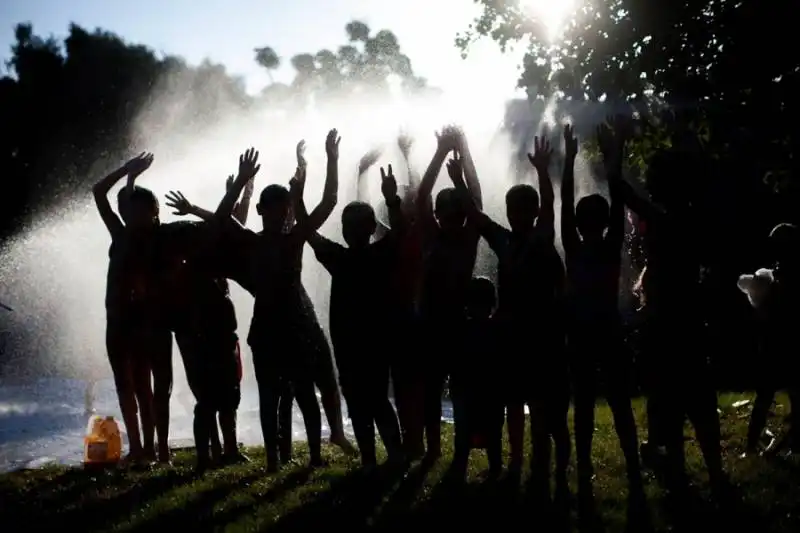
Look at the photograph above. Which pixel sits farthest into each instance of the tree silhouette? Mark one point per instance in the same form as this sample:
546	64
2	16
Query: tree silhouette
364	65
269	59
68	108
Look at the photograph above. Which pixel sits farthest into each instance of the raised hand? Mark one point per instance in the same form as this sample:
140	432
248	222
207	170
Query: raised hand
229	182
542	152
404	142
388	184
177	201
248	165
297	184
139	164
570	142
455	169
448	138
300	152
332	144
367	160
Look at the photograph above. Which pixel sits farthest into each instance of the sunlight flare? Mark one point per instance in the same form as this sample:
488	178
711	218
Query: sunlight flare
553	14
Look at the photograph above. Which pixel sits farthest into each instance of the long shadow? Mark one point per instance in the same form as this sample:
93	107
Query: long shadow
80	507
399	503
279	488
350	503
198	514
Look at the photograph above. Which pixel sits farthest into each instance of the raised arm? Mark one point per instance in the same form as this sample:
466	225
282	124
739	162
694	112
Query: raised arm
569	229
456	171
366	162
393	202
242	209
308	225
540	159
612	144
494	233
643	207
470	173
182	207
248	168
447	141
404	142
134	167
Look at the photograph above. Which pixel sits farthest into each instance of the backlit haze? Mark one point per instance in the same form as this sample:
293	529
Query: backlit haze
53	274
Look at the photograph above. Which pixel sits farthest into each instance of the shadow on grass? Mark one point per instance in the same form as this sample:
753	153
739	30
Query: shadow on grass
284	485
350	502
198	513
75	499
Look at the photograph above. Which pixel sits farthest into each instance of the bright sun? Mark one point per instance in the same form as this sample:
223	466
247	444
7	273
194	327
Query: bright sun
552	13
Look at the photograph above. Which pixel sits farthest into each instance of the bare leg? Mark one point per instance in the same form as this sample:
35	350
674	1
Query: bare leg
144	398
161	350
325	379
307	402
516	434
119	355
269	390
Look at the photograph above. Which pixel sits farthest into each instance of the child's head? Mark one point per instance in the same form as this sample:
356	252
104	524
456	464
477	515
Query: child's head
358	224
522	207
591	216
784	243
449	210
481	299
139	209
274	206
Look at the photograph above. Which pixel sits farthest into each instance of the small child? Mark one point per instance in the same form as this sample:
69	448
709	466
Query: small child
478	409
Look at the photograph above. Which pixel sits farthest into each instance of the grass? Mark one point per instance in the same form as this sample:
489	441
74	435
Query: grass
341	497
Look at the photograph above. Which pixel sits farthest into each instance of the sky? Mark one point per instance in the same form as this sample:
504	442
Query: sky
227	31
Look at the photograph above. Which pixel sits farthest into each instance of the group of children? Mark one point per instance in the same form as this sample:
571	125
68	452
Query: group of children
405	306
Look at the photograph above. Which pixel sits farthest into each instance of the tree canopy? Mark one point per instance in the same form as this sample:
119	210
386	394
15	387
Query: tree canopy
718	68
366	63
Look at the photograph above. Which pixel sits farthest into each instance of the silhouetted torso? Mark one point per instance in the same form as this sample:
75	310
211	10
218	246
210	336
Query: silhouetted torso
672	286
530	274
195	288
283	311
449	261
130	285
594	269
361	291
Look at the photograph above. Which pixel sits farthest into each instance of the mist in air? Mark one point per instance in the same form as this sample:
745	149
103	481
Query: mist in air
55	270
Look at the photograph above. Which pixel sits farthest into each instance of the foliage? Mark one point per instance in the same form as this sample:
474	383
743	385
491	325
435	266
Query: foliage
366	63
718	71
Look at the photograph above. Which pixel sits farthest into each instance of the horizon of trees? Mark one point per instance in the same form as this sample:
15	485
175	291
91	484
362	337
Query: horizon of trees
68	106
709	80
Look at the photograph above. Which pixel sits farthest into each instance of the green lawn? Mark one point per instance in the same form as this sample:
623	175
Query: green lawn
339	497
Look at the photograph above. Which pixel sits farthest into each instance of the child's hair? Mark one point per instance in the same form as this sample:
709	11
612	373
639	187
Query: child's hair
272	195
138	197
358	211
